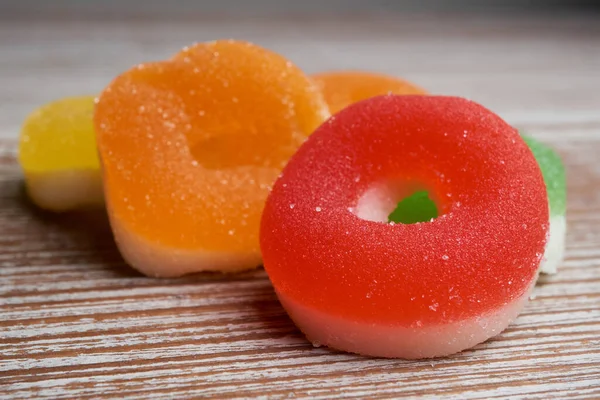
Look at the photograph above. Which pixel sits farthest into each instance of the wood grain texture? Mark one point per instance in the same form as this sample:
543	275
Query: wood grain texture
76	322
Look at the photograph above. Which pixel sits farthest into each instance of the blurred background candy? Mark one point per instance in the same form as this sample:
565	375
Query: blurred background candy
57	151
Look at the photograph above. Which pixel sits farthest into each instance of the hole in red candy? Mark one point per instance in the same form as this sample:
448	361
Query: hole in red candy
397	203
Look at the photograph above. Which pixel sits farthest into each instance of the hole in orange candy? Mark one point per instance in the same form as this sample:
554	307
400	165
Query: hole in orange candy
231	151
399	203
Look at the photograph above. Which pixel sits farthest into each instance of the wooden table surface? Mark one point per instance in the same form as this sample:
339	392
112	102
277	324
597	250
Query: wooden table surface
76	322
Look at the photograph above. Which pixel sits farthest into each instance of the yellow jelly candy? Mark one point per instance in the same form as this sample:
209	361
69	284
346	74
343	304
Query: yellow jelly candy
57	151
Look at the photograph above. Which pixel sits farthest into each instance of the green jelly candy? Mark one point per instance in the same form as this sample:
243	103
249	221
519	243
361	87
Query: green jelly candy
417	207
553	171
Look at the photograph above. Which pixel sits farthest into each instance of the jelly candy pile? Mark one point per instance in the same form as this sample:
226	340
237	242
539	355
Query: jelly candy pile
391	222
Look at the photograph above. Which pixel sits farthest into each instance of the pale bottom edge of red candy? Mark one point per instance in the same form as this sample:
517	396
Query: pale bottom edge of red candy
159	261
398	341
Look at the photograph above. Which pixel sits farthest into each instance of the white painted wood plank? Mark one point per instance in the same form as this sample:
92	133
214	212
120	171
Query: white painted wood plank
75	322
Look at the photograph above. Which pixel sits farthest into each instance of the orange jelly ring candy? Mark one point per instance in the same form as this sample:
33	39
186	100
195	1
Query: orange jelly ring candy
343	88
190	148
353	281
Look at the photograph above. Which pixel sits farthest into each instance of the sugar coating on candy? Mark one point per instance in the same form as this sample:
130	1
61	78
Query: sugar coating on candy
480	254
57	151
59	136
554	177
342	88
191	146
553	171
418	207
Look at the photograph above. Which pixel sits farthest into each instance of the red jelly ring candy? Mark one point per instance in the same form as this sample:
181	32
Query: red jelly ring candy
352	281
